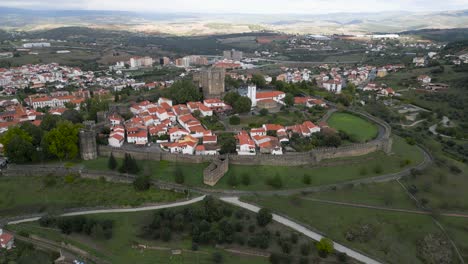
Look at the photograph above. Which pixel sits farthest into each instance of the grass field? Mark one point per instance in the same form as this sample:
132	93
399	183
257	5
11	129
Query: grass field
292	177
23	195
359	128
126	233
393	237
281	118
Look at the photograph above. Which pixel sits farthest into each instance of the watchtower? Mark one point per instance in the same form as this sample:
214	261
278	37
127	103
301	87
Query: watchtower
88	145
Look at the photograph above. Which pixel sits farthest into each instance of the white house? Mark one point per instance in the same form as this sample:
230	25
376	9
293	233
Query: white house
176	133
246	145
6	240
164	100
138	138
116	140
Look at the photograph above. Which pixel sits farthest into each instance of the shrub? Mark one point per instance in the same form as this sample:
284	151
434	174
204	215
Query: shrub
363	171
49	181
305	249
179	175
232	180
234	120
217	257
142	183
263	112
275	181
70	178
112	162
324	247
306	179
342	257
264	217
378	169
245	179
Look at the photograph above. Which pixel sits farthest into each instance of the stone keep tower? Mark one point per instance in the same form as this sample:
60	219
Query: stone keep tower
211	80
88	145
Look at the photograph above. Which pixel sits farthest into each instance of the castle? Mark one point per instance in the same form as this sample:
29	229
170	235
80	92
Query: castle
211	80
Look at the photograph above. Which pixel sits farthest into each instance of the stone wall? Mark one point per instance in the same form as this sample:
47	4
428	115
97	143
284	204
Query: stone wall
215	171
383	142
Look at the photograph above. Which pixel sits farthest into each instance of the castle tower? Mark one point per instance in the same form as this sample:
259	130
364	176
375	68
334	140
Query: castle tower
88	145
211	80
252	94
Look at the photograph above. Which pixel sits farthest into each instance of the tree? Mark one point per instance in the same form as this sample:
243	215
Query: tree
112	162
289	99
142	183
63	140
179	175
231	97
258	80
49	122
263	112
36	132
14	132
20	150
73	116
324	247
129	165
228	145
234	120
264	217
184	91
242	105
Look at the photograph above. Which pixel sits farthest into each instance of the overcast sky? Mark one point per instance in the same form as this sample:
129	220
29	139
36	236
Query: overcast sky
243	6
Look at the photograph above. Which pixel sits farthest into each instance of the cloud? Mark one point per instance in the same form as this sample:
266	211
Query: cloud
244	6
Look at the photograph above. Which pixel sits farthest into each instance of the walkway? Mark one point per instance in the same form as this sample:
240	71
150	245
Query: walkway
382	208
123	210
302	229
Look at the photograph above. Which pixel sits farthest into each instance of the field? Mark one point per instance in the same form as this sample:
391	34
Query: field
127	234
359	128
281	118
291	177
391	237
25	195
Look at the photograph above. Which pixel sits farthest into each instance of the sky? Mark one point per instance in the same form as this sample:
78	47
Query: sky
244	6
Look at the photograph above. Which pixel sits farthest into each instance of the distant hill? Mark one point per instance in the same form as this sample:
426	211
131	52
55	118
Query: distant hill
448	35
202	24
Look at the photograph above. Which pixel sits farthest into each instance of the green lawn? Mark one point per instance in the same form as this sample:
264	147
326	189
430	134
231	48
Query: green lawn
359	128
292	177
388	194
393	237
285	118
23	195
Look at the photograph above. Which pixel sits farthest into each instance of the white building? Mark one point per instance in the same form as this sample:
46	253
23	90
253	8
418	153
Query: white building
6	240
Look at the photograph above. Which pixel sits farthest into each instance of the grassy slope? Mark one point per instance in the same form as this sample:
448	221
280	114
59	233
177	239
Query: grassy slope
20	195
291	176
396	234
127	228
362	129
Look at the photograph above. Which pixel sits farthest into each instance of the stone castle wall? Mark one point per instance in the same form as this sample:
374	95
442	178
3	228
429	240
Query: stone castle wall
215	171
383	142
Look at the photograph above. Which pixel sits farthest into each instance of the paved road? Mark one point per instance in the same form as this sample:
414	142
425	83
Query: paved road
302	229
124	210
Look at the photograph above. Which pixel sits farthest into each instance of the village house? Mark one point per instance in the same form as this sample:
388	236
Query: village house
7	240
245	145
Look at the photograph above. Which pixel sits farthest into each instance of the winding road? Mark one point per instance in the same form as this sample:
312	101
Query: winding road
122	210
302	229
